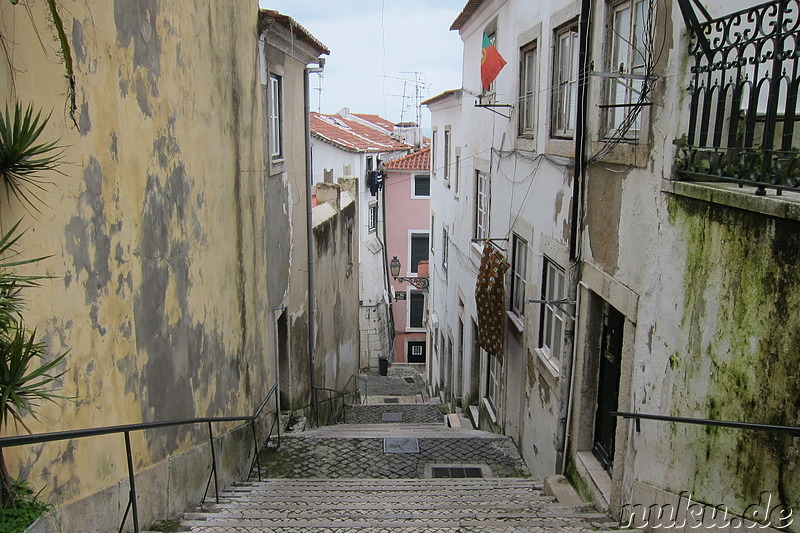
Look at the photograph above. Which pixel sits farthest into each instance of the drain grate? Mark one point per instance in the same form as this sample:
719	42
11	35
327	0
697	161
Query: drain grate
391	417
391	400
400	446
409	380
456	472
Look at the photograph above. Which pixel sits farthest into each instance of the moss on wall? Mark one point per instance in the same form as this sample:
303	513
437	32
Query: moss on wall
742	357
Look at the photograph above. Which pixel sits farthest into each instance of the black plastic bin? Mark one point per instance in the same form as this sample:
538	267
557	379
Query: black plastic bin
383	366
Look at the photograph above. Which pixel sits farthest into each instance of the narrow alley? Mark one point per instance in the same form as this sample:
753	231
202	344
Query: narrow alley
393	464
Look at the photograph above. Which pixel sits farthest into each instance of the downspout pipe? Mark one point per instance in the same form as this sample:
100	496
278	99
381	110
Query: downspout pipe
576	226
310	227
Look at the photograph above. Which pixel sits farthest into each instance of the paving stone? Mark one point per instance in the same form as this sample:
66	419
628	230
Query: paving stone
338	479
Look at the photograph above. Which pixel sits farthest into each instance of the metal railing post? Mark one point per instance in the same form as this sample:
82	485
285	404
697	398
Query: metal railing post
132	483
213	463
255	451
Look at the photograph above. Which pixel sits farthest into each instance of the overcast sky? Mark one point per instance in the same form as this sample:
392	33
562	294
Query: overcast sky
374	42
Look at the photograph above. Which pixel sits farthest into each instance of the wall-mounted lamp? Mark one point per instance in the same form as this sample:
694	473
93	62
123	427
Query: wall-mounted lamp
419	282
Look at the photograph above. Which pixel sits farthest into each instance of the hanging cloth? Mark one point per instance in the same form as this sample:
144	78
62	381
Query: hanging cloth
490	300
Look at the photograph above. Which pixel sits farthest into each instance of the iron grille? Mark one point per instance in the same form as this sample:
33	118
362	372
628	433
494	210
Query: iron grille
743	94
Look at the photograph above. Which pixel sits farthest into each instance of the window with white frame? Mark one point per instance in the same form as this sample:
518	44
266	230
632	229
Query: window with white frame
416	308
628	58
482	201
552	328
492	380
373	217
433	231
519	268
457	173
276	116
419	250
446	154
422	186
528	90
565	82
434	136
445	248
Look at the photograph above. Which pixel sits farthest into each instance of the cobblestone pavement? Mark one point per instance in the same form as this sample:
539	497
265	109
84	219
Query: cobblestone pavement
411	414
395	384
298	457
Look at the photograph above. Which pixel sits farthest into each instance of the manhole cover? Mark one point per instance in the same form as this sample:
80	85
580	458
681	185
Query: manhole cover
400	446
391	400
409	380
456	472
391	417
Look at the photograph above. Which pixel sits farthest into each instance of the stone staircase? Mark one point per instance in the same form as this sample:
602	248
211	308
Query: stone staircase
392	505
394	467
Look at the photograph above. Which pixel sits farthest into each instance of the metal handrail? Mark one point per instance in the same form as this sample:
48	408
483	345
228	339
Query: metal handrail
790	430
332	395
126	429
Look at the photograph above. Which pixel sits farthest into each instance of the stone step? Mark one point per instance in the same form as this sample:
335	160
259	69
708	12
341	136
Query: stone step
342	505
373	431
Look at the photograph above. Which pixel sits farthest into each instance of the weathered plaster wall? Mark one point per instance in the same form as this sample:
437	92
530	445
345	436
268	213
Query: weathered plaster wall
336	292
159	263
736	357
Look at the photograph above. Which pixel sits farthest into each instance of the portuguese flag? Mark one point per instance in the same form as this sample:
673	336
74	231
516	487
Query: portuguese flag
491	63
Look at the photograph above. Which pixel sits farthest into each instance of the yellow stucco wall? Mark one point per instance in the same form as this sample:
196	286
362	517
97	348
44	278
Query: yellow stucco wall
159	266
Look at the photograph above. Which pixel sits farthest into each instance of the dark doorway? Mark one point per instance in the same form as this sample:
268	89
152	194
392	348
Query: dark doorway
416	351
605	425
284	365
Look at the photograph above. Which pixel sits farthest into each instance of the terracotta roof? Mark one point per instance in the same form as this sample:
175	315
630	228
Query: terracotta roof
299	31
353	136
377	120
466	13
420	160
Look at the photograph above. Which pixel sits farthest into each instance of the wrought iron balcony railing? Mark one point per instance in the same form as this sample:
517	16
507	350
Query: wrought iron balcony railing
744	99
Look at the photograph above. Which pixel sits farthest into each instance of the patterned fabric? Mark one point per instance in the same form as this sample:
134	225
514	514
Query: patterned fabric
490	299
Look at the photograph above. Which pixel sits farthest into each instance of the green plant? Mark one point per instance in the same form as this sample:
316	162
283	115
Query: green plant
22	157
28	509
26	376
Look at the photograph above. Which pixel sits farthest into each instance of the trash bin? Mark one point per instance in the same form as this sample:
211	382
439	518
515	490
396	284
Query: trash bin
383	366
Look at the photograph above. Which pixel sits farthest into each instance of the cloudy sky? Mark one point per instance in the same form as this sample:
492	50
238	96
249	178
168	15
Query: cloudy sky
375	42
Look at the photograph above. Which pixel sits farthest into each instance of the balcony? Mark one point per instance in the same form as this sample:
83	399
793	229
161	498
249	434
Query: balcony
743	97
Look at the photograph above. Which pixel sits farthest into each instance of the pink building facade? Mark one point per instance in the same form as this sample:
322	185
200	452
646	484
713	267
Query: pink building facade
407	223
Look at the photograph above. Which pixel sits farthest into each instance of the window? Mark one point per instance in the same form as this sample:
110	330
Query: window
433	231
482	201
519	265
553	314
434	135
457	176
565	82
527	90
445	248
373	217
627	59
419	250
446	154
416	308
276	116
422	186
492	380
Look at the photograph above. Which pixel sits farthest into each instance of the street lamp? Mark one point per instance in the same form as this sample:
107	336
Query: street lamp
420	282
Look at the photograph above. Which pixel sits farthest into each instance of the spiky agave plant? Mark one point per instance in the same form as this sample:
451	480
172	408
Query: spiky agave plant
27	377
23	158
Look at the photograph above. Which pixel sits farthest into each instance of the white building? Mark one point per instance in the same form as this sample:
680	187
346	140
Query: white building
348	144
642	219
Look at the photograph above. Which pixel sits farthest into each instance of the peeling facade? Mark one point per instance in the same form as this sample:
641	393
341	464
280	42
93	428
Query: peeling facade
165	263
680	293
336	286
